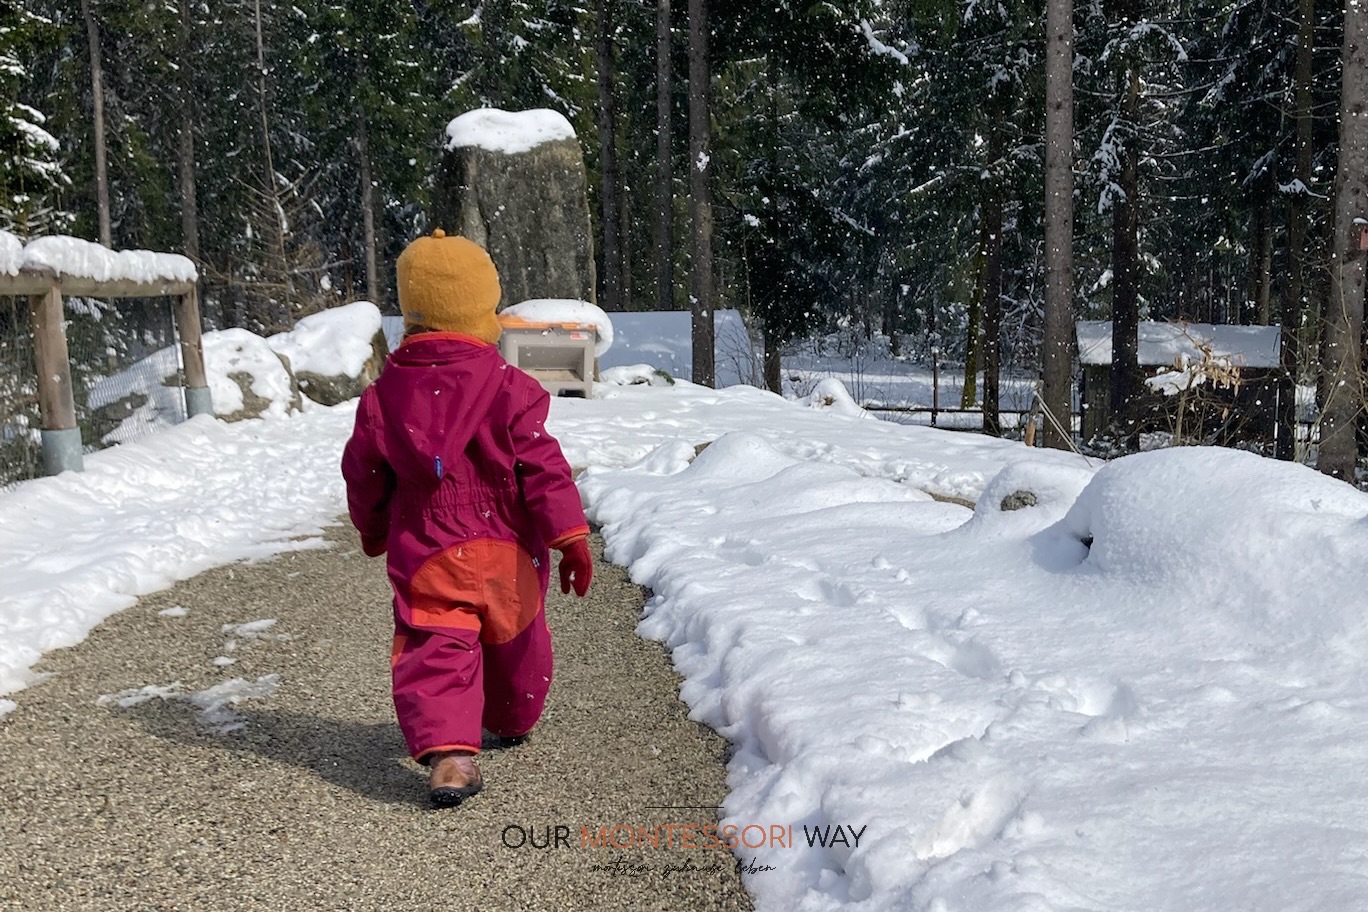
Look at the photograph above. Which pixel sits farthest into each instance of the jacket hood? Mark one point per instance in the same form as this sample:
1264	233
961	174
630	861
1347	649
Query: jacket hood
435	392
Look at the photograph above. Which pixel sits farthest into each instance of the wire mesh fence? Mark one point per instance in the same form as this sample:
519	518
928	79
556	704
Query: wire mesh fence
126	376
126	373
21	454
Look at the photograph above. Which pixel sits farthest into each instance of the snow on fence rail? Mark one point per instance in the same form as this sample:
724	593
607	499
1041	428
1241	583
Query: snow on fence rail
47	269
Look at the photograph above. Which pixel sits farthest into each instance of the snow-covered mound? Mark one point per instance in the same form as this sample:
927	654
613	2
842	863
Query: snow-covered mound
1027	495
334	342
831	394
69	256
508	131
336	353
1274	550
565	310
246	376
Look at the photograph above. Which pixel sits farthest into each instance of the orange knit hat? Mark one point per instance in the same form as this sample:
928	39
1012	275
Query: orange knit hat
449	284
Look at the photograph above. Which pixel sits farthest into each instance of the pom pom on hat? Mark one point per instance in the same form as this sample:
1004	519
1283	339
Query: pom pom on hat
449	284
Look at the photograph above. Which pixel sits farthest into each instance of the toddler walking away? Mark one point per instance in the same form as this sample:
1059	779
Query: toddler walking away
451	472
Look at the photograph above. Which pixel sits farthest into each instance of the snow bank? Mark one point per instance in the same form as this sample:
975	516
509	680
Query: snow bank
69	256
1143	689
623	424
79	547
508	131
332	343
565	310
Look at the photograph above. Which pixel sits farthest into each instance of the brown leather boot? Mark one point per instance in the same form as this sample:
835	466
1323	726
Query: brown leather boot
453	779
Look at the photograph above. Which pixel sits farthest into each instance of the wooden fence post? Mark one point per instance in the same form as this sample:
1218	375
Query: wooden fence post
61	436
197	398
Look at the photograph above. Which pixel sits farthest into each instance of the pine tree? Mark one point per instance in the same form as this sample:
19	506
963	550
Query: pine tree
31	175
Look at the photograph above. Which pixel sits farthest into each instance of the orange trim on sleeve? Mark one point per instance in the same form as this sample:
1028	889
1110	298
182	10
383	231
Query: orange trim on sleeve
562	540
444	748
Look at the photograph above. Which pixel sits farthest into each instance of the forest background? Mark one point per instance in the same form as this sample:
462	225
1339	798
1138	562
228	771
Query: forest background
875	166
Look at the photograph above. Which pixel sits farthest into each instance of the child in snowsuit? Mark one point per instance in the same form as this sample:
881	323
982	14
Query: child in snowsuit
451	471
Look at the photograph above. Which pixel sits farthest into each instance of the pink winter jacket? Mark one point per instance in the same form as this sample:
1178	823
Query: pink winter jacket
450	469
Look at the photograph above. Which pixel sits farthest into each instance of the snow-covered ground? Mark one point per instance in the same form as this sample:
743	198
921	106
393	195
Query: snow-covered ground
1145	692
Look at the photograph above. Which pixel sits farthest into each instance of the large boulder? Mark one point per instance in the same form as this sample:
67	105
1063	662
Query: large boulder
515	183
246	378
337	353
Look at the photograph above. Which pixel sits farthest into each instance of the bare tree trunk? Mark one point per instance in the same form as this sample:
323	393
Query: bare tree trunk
1258	309
773	367
274	207
974	329
1341	362
664	171
1125	366
189	196
185	149
700	202
1294	305
1058	347
609	210
1263	277
367	206
625	234
992	312
97	95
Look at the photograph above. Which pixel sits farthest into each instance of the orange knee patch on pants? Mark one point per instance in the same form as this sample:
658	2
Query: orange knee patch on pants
487	585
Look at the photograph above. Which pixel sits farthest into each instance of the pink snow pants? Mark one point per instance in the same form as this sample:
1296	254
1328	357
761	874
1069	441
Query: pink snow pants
471	648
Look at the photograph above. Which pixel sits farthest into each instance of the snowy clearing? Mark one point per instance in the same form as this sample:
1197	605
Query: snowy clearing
1142	690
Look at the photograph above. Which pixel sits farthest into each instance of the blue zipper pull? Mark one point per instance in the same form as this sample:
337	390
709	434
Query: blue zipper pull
438	462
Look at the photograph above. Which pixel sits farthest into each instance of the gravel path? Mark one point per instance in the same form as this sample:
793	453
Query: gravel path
312	803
